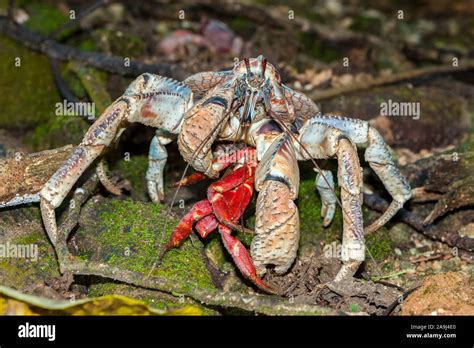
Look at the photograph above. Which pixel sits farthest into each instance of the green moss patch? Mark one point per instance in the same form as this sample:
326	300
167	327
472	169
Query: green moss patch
28	95
123	233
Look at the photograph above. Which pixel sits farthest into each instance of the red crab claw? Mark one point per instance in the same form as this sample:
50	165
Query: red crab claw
242	259
190	179
185	226
230	196
206	225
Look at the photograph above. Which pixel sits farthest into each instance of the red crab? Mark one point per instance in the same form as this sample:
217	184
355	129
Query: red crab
226	200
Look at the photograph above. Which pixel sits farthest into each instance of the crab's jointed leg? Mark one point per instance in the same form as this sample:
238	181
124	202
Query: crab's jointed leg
105	180
203	124
152	100
380	160
277	181
325	186
227	200
241	258
157	156
185	226
323	141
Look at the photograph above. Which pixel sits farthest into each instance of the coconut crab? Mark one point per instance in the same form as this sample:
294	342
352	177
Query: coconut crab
248	104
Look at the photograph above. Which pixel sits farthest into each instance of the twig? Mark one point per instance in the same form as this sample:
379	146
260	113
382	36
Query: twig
464	65
64	89
434	232
430	258
112	64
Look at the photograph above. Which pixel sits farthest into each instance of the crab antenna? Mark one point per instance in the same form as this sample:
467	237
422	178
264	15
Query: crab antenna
247	65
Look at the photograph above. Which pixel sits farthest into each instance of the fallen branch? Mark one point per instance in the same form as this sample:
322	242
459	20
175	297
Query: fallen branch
452	239
258	303
112	64
464	65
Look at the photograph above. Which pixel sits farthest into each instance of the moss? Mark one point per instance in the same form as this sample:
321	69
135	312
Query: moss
379	244
125	234
134	170
243	26
62	130
311	222
468	145
26	274
73	82
28	95
3	7
215	252
59	131
94	82
44	18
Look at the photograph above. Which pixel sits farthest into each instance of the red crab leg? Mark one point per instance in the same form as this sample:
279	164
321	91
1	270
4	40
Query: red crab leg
238	202
242	259
230	205
218	165
206	225
232	180
185	226
191	179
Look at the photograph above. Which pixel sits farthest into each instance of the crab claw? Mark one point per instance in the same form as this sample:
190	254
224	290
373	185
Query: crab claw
242	259
185	226
190	179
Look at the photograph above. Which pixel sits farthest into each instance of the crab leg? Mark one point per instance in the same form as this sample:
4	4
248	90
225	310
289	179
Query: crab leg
242	259
221	161
277	181
380	160
206	225
230	196
203	124
157	156
94	143
325	187
152	100
218	203
185	226
337	144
